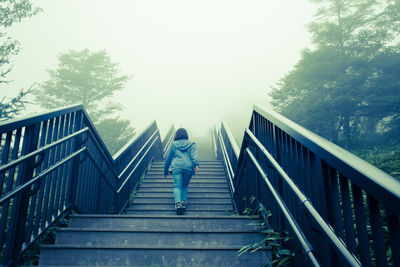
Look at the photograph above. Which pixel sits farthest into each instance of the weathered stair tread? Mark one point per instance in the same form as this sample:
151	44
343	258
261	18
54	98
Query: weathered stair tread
248	218
194	238
161	205
193	187
150	256
191	190
194	178
168	192
155	222
128	247
187	212
191	199
194	182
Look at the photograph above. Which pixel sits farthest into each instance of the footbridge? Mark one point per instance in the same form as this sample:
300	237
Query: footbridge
286	196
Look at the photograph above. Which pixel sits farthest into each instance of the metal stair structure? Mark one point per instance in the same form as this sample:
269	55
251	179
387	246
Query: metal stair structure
151	234
329	207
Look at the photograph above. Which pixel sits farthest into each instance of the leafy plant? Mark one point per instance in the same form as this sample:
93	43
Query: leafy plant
273	239
31	255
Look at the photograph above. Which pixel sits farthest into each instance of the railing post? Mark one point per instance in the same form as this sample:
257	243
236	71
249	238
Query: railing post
76	162
21	203
159	150
219	151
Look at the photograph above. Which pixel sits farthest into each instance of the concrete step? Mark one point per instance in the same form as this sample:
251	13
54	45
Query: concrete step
191	199
201	162
191	206
198	239
194	180
107	255
170	222
204	171
197	176
208	171
191	189
172	211
147	184
168	193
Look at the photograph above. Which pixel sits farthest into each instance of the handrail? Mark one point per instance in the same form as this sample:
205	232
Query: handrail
20	188
130	174
232	141
214	141
347	209
129	144
227	163
137	154
378	183
326	228
44	173
13	163
308	250
168	140
101	172
27	121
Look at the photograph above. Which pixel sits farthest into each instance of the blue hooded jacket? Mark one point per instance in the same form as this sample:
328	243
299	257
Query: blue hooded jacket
181	155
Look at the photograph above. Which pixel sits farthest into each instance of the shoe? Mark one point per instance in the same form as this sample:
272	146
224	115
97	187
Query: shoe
184	205
179	209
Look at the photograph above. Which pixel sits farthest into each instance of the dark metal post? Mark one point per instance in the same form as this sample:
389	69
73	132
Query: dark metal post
22	200
76	162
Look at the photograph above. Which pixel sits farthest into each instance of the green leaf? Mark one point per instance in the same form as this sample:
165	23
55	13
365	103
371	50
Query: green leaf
284	252
284	261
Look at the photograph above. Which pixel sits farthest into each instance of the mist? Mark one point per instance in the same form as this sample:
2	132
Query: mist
194	63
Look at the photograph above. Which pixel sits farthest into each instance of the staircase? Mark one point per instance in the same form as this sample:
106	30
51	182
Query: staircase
151	234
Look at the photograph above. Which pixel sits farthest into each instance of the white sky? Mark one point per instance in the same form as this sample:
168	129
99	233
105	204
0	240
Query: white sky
194	62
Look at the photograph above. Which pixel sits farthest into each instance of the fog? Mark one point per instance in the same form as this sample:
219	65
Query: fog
193	62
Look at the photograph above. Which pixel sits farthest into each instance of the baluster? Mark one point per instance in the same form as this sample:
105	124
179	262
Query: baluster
21	201
75	172
46	180
347	213
32	230
5	218
394	236
376	231
361	224
4	157
53	176
60	169
42	181
67	169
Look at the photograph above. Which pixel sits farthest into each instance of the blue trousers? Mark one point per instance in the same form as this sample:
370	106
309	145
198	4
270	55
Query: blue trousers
181	183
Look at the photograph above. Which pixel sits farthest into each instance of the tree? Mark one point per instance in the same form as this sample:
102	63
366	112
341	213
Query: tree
83	77
115	133
89	78
10	13
344	89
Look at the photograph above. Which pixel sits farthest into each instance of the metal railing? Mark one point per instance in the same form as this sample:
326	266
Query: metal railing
341	210
56	162
168	139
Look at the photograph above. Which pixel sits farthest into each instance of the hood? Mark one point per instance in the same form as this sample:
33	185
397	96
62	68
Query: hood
183	144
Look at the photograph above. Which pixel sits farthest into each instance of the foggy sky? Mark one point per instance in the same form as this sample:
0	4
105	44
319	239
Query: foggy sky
193	62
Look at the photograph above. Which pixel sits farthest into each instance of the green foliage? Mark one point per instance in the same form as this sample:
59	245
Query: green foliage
13	107
348	89
274	240
386	158
89	78
85	77
115	133
10	13
31	255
